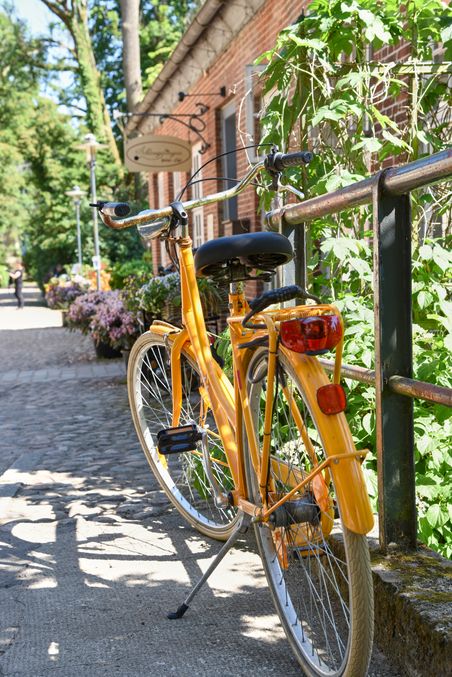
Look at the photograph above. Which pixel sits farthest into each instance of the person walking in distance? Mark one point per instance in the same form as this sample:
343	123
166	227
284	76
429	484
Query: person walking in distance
17	276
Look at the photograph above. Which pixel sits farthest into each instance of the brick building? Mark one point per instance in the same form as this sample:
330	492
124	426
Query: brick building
216	54
213	65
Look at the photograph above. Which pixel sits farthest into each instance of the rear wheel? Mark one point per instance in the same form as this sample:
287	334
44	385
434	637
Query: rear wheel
182	476
318	571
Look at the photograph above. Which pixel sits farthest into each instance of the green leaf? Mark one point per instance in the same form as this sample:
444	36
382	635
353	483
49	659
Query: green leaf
316	45
333	182
442	258
424	299
353	79
425	252
367	423
421	136
433	515
446	33
399	143
371	144
326	113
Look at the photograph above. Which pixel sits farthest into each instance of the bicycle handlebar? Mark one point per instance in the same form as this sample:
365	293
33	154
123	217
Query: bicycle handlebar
112	208
148	217
279	161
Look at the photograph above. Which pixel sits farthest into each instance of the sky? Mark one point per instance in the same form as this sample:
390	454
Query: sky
38	18
35	12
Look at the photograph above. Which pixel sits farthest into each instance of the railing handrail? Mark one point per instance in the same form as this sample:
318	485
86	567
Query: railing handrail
395	387
396	181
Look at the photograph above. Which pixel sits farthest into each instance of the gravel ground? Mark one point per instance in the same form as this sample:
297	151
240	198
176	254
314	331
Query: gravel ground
44	347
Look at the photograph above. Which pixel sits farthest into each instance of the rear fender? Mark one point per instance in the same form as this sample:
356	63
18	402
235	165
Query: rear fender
347	474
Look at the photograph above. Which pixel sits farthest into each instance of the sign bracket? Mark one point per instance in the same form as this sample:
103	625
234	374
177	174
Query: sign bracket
195	122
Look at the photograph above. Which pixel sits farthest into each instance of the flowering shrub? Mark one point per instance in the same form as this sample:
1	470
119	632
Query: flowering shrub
112	323
61	291
83	309
161	296
103	315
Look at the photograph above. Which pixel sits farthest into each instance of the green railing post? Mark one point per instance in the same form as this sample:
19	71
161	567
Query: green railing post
393	357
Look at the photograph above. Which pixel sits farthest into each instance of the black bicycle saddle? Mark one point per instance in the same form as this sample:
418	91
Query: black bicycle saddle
233	258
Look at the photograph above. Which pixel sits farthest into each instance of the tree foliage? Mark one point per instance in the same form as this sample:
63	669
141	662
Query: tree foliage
39	158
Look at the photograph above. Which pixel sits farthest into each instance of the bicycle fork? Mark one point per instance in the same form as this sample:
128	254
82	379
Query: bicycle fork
241	528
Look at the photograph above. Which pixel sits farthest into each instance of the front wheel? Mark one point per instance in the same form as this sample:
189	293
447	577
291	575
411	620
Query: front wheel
182	475
318	571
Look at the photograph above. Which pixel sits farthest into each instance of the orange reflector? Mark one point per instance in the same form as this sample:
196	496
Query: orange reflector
331	398
311	335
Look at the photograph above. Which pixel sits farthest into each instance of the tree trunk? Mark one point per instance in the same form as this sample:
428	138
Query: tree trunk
130	27
75	17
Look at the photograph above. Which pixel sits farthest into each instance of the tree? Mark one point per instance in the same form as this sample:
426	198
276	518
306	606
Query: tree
130	28
74	16
19	75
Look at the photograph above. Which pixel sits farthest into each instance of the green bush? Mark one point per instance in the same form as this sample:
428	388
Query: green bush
121	271
323	93
432	362
4	276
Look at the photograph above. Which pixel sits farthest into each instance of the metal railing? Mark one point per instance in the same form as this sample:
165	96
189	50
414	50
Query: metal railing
388	191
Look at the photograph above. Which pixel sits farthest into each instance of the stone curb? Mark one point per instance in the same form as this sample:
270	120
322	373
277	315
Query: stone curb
413	610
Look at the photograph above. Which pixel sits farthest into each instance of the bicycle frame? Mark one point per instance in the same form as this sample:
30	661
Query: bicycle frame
231	410
229	402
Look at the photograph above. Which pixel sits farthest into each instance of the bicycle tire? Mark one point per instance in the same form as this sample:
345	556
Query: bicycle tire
321	582
181	476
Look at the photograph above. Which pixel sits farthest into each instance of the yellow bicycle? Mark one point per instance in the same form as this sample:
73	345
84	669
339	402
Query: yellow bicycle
270	447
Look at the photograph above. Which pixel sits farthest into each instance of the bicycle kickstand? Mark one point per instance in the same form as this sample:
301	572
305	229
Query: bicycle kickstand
241	528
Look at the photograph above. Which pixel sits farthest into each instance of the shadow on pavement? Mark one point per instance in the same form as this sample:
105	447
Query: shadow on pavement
92	596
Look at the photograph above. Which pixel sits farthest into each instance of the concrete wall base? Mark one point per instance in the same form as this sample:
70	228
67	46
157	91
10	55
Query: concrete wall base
413	610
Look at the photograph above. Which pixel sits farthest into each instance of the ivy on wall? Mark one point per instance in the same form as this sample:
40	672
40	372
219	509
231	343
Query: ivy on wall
330	87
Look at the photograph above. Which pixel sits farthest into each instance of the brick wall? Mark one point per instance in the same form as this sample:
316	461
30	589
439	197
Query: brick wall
229	70
258	35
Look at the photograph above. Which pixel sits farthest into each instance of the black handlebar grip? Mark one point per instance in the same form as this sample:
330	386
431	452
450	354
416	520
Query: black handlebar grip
275	296
113	208
285	160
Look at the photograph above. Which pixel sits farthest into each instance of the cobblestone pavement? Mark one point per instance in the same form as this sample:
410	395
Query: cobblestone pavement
92	555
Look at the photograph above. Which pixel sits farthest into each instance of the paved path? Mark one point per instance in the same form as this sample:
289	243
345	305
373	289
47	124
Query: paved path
92	555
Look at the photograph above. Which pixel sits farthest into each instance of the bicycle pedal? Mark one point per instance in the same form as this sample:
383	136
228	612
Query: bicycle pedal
178	440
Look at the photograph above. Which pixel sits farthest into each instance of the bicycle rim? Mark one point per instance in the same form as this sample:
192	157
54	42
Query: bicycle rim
182	476
318	571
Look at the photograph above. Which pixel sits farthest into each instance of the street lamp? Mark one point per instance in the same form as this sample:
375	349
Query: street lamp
91	146
76	194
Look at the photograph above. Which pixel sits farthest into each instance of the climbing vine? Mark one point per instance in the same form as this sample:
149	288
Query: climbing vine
329	85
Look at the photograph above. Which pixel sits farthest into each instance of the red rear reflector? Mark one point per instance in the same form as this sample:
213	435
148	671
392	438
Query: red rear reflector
311	335
331	398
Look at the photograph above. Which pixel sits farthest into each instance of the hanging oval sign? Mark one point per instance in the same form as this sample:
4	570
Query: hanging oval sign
155	153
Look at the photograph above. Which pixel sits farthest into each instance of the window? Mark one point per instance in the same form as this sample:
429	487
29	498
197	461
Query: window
177	184
161	203
228	133
253	102
197	214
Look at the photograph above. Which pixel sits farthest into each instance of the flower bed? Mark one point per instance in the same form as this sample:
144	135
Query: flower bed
103	315
113	318
113	324
61	292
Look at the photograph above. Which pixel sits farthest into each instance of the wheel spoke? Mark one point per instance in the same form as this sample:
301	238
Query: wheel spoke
307	569
182	475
